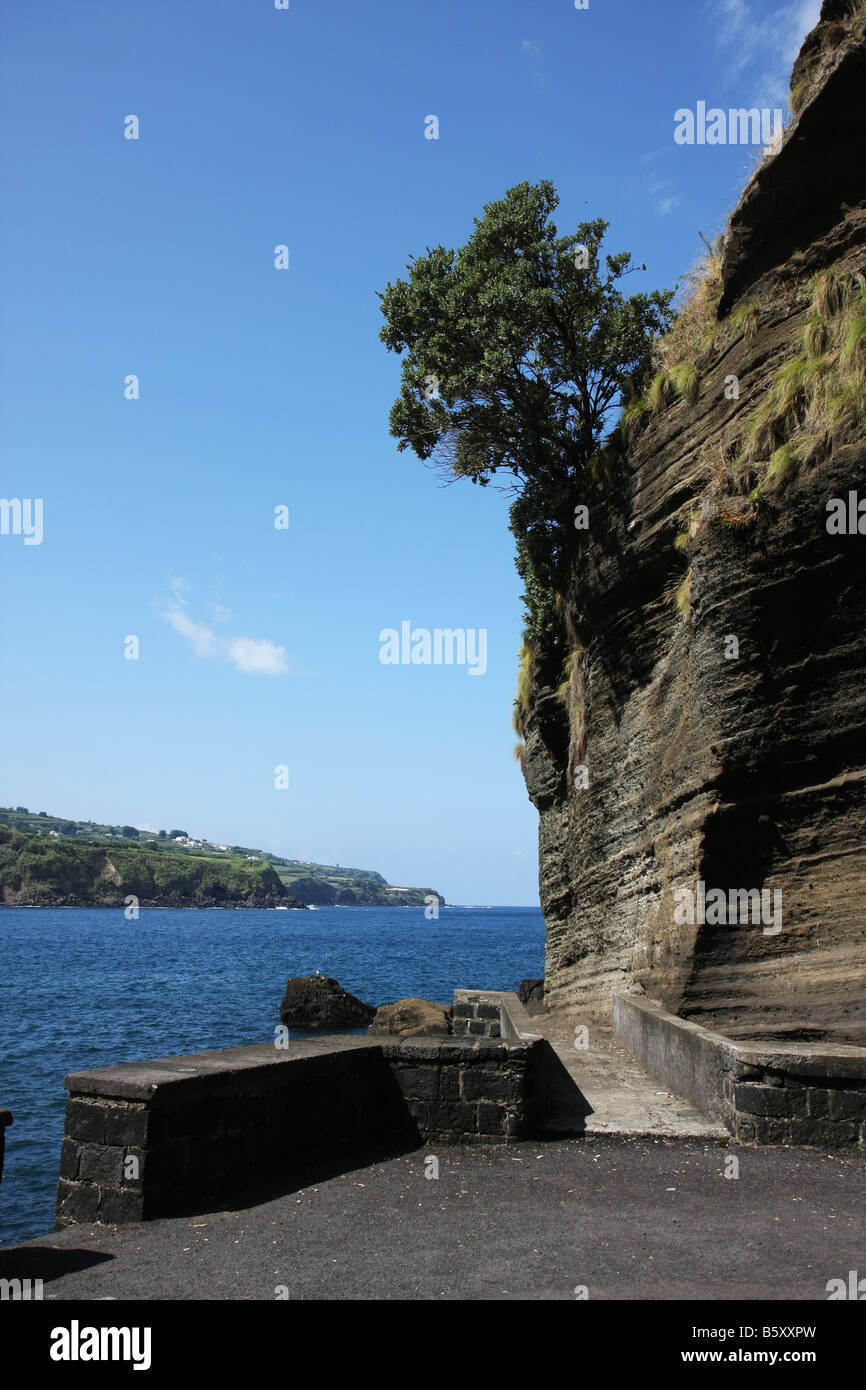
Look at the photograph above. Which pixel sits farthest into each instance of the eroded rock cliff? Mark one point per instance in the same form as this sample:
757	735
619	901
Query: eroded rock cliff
669	760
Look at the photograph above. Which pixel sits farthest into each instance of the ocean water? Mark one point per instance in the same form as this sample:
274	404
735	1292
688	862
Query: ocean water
83	987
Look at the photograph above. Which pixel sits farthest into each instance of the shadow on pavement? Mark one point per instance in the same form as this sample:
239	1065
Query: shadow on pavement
46	1262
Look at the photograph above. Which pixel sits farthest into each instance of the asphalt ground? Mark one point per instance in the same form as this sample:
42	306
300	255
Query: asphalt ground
597	1217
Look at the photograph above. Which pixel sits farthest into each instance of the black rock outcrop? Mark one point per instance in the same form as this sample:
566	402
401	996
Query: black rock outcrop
318	1001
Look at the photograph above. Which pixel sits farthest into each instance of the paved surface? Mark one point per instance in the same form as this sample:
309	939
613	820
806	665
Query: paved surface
602	1089
627	1218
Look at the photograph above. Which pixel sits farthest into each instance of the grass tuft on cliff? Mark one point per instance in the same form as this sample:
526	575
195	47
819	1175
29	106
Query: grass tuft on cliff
746	318
679	594
632	417
677	354
681	381
687	381
524	689
689	531
564	690
817	401
696	324
800	91
574	696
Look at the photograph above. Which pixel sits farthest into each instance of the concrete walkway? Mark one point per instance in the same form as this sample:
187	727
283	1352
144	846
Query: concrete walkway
601	1089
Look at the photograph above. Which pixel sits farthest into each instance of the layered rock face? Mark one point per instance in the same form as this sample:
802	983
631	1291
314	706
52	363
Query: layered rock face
741	772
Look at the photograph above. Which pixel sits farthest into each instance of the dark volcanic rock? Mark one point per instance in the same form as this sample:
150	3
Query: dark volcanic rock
745	773
413	1018
531	995
317	1001
118	899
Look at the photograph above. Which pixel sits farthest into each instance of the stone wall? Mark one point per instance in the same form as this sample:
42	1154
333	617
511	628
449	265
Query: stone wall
476	1013
145	1139
797	1101
783	1093
459	1093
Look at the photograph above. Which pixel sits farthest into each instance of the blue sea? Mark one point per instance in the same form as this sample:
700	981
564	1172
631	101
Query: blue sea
83	987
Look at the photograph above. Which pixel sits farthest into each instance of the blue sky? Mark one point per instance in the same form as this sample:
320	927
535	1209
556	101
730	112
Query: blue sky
262	387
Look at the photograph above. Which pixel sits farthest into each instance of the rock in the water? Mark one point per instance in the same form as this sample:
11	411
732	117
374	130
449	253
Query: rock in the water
317	1001
413	1018
531	995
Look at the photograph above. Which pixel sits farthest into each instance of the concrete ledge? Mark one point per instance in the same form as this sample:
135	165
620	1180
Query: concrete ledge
792	1093
515	1022
144	1139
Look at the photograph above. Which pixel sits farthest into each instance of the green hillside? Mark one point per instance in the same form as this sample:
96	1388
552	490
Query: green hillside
40	871
45	858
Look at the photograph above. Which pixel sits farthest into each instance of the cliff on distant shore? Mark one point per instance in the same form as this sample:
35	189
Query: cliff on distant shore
39	872
369	891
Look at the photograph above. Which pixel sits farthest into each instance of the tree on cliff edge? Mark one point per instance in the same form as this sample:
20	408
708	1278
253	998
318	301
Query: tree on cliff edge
518	346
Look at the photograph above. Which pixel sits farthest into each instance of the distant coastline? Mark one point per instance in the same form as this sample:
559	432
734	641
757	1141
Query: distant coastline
47	861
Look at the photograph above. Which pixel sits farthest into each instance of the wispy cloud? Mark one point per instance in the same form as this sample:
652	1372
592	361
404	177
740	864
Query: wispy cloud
534	55
663	201
252	655
760	47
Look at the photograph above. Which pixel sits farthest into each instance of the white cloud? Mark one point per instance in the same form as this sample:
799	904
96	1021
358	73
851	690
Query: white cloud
663	205
530	49
201	638
258	655
761	47
252	655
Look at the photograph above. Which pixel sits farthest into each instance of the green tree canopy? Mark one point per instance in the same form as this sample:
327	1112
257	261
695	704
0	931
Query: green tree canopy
518	346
